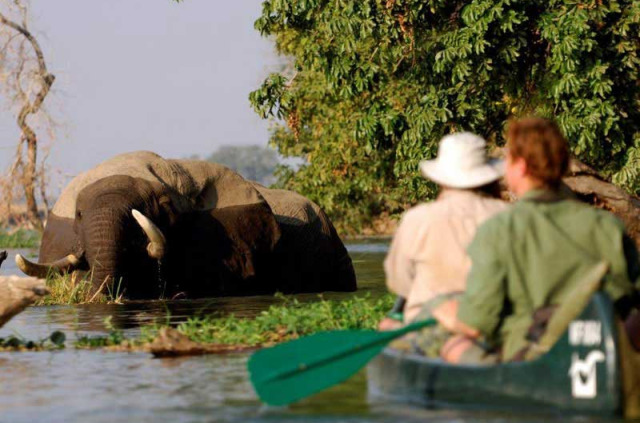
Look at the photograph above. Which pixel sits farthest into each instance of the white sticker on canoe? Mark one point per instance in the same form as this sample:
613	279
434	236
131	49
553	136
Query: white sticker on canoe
583	374
585	332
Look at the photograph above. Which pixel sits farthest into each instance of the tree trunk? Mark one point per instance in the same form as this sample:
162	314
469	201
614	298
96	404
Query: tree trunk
45	81
30	185
590	187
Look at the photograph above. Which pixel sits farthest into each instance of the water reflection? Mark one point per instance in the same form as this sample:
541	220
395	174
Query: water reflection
92	386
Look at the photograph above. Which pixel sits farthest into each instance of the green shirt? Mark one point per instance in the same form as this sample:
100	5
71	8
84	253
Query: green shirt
532	255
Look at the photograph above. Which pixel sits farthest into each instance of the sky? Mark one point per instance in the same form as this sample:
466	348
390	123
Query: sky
147	75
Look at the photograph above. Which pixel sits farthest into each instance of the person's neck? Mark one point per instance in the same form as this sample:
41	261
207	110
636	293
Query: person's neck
526	185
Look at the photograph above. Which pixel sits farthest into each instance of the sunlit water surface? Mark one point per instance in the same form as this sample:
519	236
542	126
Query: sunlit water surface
94	386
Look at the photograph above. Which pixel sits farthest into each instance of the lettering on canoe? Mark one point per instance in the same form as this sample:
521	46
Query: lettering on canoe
585	332
583	374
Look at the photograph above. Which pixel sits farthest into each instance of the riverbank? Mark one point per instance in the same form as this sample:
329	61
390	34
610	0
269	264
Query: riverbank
19	238
381	229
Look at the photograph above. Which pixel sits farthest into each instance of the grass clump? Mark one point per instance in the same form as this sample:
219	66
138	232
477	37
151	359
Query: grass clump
77	289
289	320
21	238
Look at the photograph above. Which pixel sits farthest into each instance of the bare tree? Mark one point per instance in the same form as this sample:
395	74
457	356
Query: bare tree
26	81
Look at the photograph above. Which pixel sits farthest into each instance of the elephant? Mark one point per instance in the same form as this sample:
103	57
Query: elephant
165	228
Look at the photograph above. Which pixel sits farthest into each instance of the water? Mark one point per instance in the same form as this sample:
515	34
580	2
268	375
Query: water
97	386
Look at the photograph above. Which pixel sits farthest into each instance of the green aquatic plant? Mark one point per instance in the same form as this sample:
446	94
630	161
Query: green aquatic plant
55	341
78	289
280	322
66	289
114	337
22	238
288	320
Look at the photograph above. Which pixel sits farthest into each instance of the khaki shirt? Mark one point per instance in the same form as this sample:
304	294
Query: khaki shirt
533	255
428	255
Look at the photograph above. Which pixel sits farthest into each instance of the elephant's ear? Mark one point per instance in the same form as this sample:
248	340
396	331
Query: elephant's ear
227	245
226	193
226	200
251	234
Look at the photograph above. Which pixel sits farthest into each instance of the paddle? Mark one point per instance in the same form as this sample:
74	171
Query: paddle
294	370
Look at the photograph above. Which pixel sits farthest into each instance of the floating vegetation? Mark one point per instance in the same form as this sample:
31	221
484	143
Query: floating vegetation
55	341
215	334
279	323
289	320
21	238
115	337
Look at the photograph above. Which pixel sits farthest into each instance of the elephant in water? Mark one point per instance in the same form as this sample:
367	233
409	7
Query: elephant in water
160	227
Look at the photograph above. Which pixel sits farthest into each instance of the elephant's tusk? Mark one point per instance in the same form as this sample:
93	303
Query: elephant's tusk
157	241
41	270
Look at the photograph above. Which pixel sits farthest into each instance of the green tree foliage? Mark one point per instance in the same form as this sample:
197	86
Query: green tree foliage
251	161
376	83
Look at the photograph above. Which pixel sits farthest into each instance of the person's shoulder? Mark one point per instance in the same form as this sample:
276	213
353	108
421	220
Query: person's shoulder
415	221
422	211
424	215
490	235
601	217
498	222
416	215
495	204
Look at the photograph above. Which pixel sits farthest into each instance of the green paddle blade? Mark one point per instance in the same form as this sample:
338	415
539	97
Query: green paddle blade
294	370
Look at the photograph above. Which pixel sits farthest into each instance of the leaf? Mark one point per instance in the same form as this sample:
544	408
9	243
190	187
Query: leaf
58	338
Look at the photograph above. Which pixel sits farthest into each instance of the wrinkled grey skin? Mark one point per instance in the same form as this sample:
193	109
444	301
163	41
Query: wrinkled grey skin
224	235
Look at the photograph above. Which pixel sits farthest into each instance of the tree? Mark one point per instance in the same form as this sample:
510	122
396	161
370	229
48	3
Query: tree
26	81
251	161
376	83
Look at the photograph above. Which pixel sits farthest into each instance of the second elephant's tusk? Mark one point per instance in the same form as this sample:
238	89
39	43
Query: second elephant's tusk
41	270
157	241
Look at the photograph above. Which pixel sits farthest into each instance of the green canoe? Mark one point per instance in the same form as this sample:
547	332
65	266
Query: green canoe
582	373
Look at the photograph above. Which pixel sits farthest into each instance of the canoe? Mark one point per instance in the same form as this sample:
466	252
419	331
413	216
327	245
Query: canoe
590	370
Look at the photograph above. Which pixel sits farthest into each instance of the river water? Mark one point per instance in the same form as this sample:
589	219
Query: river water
95	386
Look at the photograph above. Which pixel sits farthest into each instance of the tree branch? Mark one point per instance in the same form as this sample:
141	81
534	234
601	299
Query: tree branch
34	43
44	80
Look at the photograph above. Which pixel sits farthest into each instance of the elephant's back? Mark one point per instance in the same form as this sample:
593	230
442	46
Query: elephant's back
293	208
139	164
309	243
217	186
193	184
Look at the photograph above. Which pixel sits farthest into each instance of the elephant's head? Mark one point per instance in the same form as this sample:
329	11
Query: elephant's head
113	235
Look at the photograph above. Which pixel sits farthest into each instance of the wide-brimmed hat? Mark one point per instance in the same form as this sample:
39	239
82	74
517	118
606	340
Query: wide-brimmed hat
462	163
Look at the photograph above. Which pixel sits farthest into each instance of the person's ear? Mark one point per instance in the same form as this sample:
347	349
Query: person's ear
520	166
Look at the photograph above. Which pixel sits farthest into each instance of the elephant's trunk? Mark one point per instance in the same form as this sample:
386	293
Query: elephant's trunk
104	242
104	268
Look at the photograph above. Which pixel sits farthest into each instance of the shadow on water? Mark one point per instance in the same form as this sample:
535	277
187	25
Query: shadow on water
95	386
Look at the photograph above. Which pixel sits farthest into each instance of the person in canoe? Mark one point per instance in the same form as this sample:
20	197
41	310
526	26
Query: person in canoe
530	258
427	262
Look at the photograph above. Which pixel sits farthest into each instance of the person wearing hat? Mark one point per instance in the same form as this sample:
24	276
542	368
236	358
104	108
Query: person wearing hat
539	255
427	261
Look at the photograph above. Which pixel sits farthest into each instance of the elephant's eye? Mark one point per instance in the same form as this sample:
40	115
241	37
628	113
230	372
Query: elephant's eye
79	214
